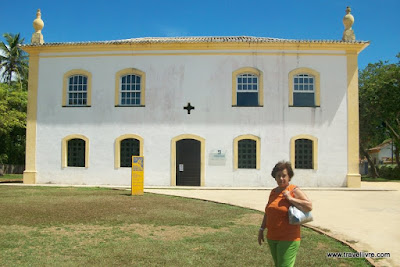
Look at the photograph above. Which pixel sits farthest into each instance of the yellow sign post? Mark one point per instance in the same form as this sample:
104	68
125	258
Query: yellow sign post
137	175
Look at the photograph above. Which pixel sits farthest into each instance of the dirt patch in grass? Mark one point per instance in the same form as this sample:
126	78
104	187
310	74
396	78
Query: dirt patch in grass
165	233
170	233
75	230
250	219
321	246
16	228
66	206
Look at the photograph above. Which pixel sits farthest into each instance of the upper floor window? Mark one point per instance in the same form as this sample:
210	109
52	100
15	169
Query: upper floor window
304	88
77	89
247	87
130	90
247	90
130	87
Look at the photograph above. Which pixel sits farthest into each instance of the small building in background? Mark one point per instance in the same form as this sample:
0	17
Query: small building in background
383	153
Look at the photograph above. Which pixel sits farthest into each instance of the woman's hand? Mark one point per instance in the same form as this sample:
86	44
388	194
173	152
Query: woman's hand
287	195
261	230
300	200
260	236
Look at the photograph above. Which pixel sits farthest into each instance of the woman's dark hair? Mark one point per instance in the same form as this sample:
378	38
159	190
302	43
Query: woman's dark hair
280	166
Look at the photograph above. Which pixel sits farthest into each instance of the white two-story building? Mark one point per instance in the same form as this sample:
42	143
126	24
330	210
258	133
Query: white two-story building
203	111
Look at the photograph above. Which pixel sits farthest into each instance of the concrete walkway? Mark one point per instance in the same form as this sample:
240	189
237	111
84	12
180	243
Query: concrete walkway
368	218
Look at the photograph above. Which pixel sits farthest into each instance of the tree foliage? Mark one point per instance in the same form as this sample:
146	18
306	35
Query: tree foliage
13	104
13	60
379	88
13	99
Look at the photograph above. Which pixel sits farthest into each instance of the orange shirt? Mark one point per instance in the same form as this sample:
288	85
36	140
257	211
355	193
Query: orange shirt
277	217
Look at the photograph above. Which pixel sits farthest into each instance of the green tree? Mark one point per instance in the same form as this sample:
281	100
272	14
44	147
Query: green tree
13	60
379	87
13	104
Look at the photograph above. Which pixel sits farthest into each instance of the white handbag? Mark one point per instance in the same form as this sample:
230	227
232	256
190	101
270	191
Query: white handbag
297	216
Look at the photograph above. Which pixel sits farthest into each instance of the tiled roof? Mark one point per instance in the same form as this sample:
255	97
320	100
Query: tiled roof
385	143
199	39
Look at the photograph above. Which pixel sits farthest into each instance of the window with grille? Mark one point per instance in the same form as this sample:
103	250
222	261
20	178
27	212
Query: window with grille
129	147
77	90
247	154
130	90
303	154
247	90
304	90
76	153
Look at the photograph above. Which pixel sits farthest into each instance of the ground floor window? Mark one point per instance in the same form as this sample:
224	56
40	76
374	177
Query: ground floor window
76	153
303	154
126	146
129	147
247	154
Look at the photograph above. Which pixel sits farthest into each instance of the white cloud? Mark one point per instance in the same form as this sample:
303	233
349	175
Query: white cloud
1	69
13	78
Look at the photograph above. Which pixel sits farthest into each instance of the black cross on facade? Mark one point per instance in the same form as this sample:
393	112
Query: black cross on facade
188	108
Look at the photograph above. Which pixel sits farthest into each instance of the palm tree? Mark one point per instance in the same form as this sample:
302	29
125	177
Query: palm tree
13	60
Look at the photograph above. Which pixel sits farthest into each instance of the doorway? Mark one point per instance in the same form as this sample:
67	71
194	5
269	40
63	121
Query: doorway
188	162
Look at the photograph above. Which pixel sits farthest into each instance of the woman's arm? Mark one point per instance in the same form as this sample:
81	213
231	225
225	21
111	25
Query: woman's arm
300	200
261	230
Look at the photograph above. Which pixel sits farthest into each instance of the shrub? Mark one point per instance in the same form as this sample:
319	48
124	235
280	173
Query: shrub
389	172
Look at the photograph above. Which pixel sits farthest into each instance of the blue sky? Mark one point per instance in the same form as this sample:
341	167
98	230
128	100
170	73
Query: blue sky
377	21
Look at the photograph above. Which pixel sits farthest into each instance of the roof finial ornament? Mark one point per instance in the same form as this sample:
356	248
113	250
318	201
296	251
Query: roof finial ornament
38	24
348	21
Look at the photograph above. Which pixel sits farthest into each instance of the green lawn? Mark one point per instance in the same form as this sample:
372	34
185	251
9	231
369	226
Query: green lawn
50	226
11	177
378	179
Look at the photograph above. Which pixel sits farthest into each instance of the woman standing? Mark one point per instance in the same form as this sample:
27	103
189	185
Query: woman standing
283	238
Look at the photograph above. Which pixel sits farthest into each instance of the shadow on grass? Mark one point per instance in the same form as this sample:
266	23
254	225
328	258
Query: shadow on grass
11	181
378	179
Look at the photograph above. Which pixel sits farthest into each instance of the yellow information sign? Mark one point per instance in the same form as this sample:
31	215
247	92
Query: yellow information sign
137	175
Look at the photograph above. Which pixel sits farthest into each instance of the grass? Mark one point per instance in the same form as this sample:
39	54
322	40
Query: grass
53	226
378	179
11	177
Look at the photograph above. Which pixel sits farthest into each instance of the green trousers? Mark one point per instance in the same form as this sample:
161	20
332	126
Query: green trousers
284	252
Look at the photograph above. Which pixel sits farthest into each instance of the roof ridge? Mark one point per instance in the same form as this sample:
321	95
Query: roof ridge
199	39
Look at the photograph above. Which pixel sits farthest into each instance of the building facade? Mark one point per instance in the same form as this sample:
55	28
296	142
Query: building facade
203	111
384	153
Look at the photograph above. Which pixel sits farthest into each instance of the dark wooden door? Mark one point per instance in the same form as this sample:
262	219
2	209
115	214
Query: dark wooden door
188	162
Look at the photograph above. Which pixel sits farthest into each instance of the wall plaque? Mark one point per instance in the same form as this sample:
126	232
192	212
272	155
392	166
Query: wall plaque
217	158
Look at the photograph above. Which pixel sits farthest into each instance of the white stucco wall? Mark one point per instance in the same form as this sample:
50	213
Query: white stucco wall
206	82
384	152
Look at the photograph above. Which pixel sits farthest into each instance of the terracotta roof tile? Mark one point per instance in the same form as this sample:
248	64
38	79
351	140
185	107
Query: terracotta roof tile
198	39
